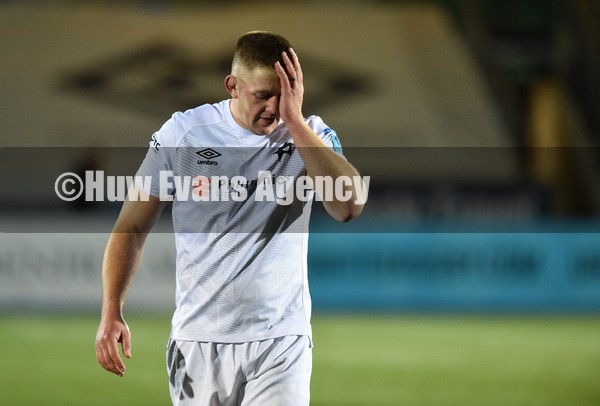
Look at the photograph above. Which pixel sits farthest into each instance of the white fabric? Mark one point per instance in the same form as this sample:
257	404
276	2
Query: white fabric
241	266
272	372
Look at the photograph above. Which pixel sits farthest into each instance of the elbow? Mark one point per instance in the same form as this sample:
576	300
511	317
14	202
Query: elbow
348	213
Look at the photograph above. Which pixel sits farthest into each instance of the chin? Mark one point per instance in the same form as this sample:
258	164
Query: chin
265	130
261	131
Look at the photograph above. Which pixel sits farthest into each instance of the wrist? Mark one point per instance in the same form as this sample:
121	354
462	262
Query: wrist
297	126
303	135
112	311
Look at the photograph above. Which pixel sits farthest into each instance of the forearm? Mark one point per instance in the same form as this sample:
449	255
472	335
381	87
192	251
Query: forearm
318	159
322	161
124	251
121	260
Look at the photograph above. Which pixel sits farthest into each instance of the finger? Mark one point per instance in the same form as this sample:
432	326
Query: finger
289	65
126	343
114	359
100	356
283	78
106	361
297	66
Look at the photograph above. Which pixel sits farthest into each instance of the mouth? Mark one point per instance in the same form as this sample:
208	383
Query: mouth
267	121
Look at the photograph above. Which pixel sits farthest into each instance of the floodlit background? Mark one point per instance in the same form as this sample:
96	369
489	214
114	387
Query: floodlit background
473	276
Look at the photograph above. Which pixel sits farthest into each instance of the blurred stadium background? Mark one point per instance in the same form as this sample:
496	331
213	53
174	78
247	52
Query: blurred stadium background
473	276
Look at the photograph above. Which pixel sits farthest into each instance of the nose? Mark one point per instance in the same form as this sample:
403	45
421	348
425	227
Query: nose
273	105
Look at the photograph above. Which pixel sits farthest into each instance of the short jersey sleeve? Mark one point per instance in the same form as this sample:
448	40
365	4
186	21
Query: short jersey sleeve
326	134
160	155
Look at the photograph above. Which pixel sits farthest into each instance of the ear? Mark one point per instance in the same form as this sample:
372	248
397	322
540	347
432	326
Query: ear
232	86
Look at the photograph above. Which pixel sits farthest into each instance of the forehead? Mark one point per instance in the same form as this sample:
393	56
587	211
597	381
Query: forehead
260	80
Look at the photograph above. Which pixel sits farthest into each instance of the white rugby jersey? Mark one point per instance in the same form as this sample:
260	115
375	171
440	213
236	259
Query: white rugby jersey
241	263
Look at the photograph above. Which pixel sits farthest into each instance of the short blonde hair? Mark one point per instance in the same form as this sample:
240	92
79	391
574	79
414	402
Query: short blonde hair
259	49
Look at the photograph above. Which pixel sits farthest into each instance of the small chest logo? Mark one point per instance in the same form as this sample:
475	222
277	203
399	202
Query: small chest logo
286	148
208	154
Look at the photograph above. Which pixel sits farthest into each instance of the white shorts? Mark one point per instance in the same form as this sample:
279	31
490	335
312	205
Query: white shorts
270	372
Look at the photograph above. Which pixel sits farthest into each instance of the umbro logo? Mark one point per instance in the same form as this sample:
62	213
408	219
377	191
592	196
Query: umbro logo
208	154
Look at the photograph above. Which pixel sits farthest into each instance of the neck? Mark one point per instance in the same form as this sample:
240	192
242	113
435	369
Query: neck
233	107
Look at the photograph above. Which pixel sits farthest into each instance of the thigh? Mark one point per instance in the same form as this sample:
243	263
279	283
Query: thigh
280	373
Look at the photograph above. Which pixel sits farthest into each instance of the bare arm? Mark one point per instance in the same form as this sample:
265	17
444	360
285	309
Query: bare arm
121	260
318	159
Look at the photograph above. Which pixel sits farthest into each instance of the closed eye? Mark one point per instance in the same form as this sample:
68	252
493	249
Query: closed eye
262	96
